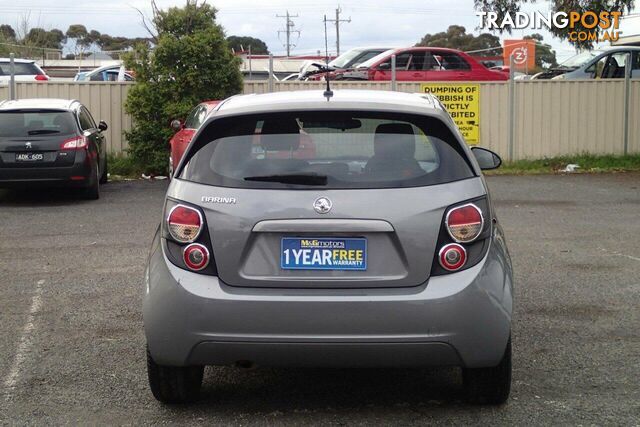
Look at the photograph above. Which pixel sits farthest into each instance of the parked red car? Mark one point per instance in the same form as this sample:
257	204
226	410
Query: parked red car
423	64
185	131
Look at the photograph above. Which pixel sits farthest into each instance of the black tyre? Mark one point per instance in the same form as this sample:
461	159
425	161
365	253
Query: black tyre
489	385
174	384
105	173
93	191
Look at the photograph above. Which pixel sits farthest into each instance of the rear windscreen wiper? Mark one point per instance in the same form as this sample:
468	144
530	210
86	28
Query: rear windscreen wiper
42	131
294	178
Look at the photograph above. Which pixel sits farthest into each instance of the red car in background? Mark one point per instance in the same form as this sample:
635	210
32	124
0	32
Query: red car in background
423	64
185	131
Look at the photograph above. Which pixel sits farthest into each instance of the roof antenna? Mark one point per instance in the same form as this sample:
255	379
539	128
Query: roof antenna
328	93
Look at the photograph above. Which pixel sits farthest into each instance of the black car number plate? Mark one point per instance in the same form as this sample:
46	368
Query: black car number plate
29	157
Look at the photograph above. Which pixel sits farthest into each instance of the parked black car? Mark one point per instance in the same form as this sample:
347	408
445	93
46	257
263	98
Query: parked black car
46	142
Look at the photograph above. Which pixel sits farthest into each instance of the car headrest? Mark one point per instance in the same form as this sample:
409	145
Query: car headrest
395	140
36	124
280	135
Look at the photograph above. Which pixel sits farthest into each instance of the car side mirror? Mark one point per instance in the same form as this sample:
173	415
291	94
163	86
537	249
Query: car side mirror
486	159
176	125
384	66
102	126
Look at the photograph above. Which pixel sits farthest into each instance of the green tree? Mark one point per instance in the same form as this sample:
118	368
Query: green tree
117	43
545	55
503	7
80	36
7	33
8	36
41	38
239	43
456	37
4	49
191	62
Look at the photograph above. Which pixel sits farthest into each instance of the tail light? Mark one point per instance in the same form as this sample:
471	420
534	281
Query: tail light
452	257
42	77
196	256
184	223
74	143
464	223
464	237
186	238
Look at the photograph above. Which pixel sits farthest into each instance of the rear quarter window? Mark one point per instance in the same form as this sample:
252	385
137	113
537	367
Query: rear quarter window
333	150
196	117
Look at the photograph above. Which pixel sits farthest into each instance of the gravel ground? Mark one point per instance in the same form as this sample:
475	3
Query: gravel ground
71	339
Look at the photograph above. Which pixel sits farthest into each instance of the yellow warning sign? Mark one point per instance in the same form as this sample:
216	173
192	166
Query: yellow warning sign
462	101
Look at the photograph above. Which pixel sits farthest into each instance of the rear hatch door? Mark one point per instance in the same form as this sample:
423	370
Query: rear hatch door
310	199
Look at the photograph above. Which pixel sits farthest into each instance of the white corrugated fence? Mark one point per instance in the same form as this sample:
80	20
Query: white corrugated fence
552	118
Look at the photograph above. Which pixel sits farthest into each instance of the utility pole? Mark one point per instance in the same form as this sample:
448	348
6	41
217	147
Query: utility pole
337	22
289	28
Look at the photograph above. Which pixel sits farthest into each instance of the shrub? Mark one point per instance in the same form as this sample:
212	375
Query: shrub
191	62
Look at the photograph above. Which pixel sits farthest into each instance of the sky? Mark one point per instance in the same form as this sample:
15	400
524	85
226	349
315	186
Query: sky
373	22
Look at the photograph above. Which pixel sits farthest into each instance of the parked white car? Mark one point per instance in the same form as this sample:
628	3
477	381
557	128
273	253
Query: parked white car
25	70
108	73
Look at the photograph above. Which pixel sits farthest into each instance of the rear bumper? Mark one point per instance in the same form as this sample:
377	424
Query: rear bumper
461	319
78	175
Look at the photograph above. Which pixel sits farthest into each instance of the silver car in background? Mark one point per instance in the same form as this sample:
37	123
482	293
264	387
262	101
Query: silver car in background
352	230
607	64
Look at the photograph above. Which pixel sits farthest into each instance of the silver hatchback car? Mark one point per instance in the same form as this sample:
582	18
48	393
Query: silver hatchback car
352	230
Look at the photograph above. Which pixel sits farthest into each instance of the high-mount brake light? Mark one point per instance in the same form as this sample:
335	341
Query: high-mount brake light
184	223
196	256
75	143
452	257
464	223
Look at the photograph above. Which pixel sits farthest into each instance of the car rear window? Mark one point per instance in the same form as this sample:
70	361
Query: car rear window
21	69
326	149
40	122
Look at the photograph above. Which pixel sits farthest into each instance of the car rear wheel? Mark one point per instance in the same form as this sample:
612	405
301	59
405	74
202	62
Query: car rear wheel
93	191
105	173
489	385
174	384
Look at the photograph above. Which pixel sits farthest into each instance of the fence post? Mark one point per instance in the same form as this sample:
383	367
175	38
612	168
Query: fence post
393	73
512	108
270	88
12	78
627	95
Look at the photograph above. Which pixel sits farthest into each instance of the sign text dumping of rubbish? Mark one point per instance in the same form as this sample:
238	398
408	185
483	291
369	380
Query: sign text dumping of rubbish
462	101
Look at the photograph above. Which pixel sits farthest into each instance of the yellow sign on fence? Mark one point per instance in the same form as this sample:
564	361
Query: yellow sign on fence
463	103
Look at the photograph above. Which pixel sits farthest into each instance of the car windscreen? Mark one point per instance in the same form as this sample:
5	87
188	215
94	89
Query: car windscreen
25	123
327	149
579	59
379	57
355	57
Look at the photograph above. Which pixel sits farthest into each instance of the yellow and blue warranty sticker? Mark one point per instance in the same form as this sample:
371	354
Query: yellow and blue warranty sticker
323	254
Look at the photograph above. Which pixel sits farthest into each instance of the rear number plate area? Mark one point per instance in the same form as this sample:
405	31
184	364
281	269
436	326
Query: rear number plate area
323	254
29	157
